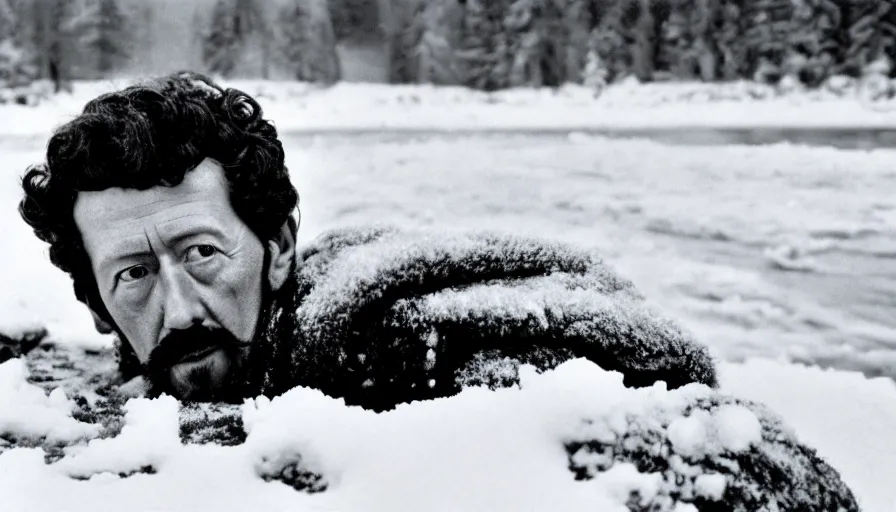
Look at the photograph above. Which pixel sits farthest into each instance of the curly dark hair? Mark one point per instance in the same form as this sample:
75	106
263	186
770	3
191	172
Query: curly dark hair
152	134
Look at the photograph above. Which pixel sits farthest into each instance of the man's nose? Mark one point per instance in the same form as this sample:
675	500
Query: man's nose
182	305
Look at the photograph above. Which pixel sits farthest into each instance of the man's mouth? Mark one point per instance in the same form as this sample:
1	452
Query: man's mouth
200	374
196	355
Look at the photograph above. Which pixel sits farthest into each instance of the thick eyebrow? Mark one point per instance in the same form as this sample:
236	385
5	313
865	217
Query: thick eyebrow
124	250
172	233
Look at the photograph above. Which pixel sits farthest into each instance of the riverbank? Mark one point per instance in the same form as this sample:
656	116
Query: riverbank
300	107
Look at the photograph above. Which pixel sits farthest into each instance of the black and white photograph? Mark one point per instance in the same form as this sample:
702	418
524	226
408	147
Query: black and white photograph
448	255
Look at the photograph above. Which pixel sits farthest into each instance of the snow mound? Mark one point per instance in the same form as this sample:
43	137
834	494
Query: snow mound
28	413
570	439
848	418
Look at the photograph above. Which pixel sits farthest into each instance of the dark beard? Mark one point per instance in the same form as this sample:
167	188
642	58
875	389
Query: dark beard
175	347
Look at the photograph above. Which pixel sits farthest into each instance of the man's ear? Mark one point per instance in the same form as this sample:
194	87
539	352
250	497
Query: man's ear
101	325
282	251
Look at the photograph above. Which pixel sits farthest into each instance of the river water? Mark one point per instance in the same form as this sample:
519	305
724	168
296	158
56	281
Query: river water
769	243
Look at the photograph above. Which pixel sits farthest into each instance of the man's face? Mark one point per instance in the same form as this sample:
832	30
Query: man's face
180	274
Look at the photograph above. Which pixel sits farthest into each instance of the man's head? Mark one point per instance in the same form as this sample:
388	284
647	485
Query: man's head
169	205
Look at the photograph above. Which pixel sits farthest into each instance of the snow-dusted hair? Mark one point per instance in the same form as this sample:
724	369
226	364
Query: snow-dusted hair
148	135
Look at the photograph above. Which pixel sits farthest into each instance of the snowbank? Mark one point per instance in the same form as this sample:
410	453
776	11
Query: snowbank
480	450
849	419
305	107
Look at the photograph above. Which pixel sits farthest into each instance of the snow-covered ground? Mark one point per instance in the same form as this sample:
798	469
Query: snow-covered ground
478	451
769	254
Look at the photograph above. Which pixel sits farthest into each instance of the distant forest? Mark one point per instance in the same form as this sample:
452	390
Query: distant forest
483	44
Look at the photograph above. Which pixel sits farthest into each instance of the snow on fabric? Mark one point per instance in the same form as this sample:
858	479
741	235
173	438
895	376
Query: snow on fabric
849	419
389	305
417	457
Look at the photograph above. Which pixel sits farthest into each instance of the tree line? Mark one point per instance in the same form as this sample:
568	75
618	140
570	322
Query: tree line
483	44
493	44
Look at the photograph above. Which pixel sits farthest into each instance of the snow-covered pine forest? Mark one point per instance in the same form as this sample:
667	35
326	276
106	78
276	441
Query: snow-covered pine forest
481	44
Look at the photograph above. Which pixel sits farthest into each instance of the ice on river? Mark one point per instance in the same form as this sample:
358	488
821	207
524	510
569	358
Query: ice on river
770	251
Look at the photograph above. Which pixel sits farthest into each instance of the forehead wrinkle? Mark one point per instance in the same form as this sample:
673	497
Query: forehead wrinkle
123	248
176	228
146	209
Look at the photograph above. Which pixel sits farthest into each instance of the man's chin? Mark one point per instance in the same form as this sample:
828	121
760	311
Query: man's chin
206	377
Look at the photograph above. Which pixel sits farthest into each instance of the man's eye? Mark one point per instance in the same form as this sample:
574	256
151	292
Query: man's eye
133	273
200	252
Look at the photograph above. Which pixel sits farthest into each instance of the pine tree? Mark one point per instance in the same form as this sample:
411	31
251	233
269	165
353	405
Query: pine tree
13	62
403	28
643	35
233	23
52	41
870	31
527	40
435	54
768	27
307	41
577	26
611	36
689	35
102	30
354	19
483	46
728	34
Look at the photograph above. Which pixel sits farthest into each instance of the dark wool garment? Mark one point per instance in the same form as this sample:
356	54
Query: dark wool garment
380	317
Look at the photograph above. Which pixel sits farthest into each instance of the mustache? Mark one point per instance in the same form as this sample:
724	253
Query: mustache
177	345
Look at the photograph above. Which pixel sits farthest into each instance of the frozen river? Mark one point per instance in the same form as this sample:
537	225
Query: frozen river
760	250
767	250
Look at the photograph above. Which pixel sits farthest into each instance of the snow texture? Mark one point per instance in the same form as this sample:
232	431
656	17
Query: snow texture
349	107
567	439
849	418
385	316
27	413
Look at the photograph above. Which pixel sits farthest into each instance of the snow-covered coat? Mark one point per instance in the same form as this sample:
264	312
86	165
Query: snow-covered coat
380	316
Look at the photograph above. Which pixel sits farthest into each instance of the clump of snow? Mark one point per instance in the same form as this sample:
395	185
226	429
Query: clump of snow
732	427
690	436
623	479
710	485
737	428
27	412
150	431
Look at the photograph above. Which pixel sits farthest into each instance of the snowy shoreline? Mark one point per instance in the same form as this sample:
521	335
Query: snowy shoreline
301	107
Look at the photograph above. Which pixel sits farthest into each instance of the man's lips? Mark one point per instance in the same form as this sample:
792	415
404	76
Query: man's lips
196	355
